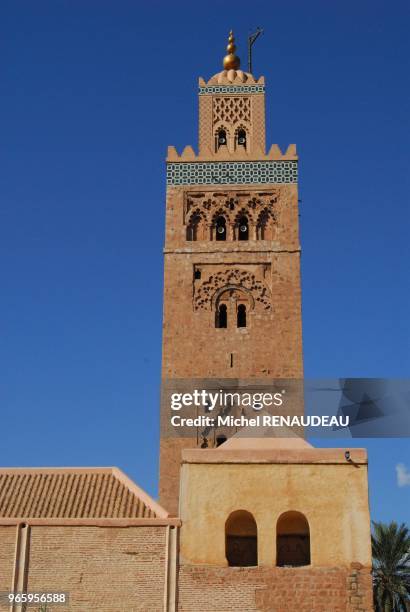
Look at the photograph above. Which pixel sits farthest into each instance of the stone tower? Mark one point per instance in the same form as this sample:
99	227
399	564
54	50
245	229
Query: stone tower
232	297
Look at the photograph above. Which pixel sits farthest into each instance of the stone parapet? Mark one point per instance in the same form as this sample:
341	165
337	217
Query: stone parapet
358	456
274	153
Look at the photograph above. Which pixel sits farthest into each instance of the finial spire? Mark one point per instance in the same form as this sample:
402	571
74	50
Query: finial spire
231	61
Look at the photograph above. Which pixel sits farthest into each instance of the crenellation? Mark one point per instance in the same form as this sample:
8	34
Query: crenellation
231	79
274	153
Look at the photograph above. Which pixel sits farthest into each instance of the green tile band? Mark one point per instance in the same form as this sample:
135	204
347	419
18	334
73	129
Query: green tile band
231	89
231	173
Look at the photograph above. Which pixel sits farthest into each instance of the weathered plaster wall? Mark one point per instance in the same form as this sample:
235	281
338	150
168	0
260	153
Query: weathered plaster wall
333	497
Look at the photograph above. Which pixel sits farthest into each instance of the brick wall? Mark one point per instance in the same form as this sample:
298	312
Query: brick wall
113	569
271	344
7	552
359	587
107	569
210	589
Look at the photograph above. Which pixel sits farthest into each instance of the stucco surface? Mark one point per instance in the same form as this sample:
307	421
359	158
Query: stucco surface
334	499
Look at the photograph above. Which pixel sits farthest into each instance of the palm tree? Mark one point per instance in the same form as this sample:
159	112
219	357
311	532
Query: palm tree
391	567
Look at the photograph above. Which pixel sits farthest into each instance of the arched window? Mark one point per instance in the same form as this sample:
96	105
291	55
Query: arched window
231	305
241	539
241	316
240	139
265	226
220	228
221	320
192	228
220	138
292	540
243	228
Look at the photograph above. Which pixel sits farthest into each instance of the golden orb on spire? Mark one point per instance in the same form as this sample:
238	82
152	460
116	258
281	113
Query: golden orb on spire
231	61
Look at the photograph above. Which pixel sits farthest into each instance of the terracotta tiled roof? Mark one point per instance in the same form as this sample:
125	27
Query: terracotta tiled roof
74	493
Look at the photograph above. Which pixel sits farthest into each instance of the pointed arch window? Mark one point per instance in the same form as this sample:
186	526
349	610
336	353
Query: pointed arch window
192	230
265	226
221	138
231	307
220	228
221	320
240	140
243	228
241	315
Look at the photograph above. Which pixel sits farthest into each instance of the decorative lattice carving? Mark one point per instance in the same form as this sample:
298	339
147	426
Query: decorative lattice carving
231	110
196	225
219	212
231	205
258	123
243	212
237	279
266	223
205	122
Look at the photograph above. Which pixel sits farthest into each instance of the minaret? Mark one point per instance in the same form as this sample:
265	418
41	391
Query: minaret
232	299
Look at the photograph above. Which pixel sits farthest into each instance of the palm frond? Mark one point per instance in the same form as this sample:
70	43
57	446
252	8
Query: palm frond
391	566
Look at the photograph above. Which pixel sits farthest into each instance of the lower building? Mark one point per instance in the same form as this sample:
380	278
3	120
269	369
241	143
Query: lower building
264	525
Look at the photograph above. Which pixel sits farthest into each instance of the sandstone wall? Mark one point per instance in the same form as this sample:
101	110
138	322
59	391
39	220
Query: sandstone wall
109	569
7	553
196	272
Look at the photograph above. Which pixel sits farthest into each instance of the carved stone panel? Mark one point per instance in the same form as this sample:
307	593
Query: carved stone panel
220	279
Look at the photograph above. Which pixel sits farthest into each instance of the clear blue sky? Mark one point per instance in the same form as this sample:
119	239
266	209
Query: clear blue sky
91	93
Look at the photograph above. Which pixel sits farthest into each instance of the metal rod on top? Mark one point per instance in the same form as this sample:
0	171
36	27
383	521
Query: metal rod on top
251	40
